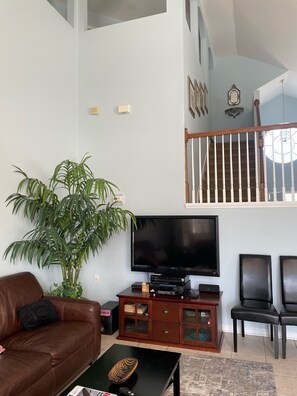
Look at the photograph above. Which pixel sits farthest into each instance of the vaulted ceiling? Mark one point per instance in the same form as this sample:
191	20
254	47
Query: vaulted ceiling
264	30
126	9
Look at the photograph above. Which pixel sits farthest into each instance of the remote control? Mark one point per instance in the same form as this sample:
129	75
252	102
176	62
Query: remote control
125	391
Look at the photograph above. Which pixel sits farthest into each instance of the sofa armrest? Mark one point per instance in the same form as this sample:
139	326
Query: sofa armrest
82	310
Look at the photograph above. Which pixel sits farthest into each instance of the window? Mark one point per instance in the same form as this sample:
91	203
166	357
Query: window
201	39
281	145
188	13
60	6
109	12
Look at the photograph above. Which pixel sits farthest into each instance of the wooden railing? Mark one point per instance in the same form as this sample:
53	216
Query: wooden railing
241	165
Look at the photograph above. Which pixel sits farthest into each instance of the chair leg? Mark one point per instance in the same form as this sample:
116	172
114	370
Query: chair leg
235	335
284	341
242	328
271	332
276	341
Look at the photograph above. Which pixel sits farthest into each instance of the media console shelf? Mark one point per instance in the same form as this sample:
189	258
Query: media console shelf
173	321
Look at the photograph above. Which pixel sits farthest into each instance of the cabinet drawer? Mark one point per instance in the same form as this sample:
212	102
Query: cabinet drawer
167	332
165	311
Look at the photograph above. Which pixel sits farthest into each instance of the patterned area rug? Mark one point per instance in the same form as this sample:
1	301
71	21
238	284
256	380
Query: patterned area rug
212	376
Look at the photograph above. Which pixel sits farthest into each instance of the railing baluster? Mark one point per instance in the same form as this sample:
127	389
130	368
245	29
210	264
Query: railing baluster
283	169
265	178
200	171
256	167
193	172
231	169
239	170
292	168
207	160
273	172
223	170
215	170
248	168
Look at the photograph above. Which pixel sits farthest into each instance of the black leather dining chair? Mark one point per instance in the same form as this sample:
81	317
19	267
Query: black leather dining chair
256	299
288	313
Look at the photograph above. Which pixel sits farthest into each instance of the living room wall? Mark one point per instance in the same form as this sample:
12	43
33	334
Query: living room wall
248	75
137	63
38	101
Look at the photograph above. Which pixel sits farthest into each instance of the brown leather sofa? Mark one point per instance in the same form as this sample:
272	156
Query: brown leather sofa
44	360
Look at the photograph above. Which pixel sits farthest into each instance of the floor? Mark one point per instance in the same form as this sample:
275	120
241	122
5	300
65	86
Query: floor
254	348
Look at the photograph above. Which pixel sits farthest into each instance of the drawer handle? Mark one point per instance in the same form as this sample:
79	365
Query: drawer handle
165	312
165	331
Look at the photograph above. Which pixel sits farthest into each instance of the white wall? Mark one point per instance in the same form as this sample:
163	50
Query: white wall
139	63
193	68
38	101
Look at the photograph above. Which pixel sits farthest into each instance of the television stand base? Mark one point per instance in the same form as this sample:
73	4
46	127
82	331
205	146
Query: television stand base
186	322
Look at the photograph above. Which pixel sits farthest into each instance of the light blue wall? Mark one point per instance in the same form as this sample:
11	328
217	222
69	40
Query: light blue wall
143	152
247	75
139	63
278	110
272	111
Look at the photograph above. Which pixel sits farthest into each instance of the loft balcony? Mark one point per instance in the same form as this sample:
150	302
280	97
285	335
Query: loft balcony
254	166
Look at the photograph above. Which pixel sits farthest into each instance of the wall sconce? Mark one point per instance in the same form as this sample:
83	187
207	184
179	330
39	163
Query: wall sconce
234	100
95	110
124	109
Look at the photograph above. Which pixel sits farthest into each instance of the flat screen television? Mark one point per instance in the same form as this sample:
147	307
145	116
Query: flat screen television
177	245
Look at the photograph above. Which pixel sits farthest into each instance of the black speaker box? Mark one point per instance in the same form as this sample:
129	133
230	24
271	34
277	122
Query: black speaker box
109	317
205	288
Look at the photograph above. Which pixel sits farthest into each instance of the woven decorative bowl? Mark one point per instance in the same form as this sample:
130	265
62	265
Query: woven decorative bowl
122	370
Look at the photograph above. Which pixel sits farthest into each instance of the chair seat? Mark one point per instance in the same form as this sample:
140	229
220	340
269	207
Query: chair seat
288	315
255	311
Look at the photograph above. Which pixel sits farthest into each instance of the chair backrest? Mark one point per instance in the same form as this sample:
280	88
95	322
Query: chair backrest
255	277
288	270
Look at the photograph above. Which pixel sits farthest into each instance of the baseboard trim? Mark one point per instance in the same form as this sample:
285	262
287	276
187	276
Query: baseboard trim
263	331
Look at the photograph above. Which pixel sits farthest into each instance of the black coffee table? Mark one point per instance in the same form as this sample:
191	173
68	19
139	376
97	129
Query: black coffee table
155	372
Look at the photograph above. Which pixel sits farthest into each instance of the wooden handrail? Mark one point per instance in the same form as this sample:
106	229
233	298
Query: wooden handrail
264	128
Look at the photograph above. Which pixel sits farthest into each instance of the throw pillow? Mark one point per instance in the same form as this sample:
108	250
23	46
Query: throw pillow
38	314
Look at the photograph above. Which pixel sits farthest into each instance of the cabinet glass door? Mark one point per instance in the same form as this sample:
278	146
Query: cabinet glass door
136	318
197	326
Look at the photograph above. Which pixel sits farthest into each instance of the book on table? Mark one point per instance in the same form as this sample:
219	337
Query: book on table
130	308
84	391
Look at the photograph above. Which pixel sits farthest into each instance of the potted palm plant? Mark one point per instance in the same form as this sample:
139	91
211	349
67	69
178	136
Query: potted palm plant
73	216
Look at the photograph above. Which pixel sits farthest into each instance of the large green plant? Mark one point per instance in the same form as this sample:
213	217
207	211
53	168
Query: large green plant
73	216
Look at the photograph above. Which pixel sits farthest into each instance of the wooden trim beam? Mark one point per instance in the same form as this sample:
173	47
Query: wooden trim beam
241	130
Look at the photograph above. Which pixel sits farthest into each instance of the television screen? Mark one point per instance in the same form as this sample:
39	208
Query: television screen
185	245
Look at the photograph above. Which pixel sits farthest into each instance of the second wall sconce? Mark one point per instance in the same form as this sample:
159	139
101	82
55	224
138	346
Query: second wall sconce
124	109
234	100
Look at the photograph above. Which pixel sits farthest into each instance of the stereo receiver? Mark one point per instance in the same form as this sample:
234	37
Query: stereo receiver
169	289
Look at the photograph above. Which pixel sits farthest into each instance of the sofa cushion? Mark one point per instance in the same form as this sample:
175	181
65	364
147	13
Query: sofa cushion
15	291
39	313
59	339
21	370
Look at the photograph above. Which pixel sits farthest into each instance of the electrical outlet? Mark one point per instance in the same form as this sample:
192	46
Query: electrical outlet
96	278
